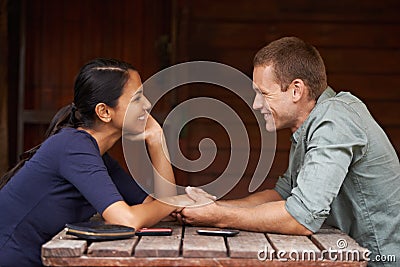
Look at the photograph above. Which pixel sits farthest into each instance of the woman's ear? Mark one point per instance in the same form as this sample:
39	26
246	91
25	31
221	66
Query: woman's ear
103	112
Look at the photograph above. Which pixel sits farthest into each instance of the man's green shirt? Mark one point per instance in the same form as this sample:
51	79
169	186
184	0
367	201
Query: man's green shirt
344	171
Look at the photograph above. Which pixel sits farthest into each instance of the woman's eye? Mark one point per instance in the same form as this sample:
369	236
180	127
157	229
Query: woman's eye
136	99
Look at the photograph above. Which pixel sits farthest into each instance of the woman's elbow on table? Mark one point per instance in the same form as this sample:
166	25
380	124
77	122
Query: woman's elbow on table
121	213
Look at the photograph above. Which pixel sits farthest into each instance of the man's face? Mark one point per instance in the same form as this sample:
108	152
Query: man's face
275	105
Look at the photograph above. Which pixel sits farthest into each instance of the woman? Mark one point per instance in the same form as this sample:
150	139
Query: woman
70	177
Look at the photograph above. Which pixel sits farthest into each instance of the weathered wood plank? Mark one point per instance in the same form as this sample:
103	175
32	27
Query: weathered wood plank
131	261
115	248
176	226
301	11
364	86
253	34
339	246
160	246
354	61
200	246
64	248
246	257
294	247
248	245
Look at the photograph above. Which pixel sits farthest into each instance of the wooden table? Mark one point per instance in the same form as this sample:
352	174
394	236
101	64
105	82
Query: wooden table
186	248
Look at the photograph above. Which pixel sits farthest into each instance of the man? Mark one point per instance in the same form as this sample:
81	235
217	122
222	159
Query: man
342	168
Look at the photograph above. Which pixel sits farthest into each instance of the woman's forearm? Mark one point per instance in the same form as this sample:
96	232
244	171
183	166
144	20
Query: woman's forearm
151	213
146	214
164	179
137	216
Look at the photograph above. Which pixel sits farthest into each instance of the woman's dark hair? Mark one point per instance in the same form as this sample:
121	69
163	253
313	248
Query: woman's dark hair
99	81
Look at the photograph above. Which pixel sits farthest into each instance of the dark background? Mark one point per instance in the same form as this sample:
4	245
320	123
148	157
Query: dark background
43	43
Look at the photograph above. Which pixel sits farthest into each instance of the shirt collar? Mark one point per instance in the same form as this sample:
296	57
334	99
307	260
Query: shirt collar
328	93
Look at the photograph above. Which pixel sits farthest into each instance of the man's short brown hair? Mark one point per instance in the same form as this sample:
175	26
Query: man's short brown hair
291	58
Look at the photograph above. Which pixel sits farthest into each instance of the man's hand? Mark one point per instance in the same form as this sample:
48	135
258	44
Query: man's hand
203	215
202	212
196	197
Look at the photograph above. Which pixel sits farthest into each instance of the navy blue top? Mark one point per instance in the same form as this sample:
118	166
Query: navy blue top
66	181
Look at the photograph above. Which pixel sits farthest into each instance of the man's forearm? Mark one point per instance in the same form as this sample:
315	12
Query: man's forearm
267	217
253	200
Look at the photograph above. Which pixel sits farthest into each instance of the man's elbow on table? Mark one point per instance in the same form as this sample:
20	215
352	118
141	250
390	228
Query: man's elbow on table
301	230
284	222
296	228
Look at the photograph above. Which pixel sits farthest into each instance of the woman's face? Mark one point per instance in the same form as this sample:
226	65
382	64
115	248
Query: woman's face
132	109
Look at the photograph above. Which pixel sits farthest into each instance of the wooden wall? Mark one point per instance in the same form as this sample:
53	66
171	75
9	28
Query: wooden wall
359	41
62	35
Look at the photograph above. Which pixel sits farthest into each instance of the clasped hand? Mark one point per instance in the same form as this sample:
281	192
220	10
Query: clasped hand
194	198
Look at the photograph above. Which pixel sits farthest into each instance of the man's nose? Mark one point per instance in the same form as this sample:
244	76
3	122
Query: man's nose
258	102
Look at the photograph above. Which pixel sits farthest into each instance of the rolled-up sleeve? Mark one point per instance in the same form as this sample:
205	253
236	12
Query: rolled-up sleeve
283	186
334	141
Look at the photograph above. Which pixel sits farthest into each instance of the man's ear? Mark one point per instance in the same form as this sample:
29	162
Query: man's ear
299	90
103	112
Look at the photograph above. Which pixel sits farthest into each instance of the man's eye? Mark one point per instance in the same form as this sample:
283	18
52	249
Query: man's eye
260	93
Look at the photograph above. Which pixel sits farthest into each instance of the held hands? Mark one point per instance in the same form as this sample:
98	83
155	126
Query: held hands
200	196
200	215
194	197
197	207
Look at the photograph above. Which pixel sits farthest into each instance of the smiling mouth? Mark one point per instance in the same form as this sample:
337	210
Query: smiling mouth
267	116
143	117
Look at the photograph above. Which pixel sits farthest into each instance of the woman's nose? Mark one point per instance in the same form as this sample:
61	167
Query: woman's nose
146	103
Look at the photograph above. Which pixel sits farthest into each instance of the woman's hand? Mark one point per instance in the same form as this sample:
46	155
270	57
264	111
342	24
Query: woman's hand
200	196
153	133
194	197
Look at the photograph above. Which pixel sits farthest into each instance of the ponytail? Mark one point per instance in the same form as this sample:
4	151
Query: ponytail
99	81
67	116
